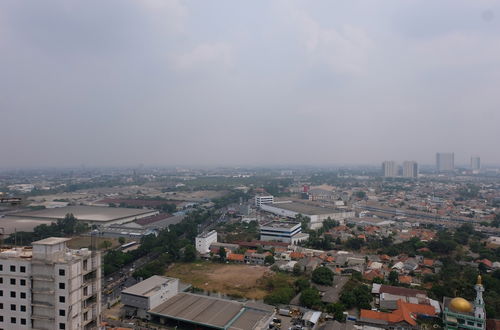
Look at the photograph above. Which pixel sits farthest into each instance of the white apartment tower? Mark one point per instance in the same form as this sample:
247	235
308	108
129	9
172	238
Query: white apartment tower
410	169
204	240
389	169
48	286
445	162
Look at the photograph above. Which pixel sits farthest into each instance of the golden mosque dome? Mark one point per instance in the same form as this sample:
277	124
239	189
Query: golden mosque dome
461	305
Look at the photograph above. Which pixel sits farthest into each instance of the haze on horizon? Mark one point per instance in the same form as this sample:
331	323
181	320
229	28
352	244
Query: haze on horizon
167	82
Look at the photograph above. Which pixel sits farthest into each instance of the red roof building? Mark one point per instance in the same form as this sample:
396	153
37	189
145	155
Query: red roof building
236	257
406	313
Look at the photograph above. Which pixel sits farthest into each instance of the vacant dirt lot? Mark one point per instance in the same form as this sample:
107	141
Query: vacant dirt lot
237	280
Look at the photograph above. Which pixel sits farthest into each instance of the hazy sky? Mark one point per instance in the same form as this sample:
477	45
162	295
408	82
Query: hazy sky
167	82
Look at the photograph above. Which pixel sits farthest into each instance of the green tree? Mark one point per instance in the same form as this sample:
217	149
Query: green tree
269	260
222	253
301	284
281	295
297	270
393	277
356	294
337	310
322	276
348	299
121	240
189	253
310	298
354	243
360	194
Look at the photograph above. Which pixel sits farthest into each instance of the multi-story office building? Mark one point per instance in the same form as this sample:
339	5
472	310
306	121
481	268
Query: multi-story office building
204	240
282	231
475	163
389	169
260	200
410	169
445	161
48	286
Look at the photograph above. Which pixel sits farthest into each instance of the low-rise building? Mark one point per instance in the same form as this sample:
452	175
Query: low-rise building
148	294
228	247
316	214
281	231
403	318
261	200
188	310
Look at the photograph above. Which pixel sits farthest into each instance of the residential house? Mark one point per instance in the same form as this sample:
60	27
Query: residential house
402	318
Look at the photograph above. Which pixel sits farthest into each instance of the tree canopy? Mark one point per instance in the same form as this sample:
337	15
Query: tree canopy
322	276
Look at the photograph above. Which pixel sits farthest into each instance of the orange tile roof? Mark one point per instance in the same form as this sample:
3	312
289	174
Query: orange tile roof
405	279
372	274
429	262
486	262
406	312
297	255
236	257
426	271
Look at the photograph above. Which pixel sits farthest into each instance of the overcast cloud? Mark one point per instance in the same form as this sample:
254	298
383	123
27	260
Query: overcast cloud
170	82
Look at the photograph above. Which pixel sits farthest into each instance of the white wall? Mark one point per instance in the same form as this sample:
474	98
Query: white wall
203	243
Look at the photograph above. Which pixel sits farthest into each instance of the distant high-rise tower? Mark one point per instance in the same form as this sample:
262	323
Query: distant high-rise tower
445	161
475	163
389	169
410	169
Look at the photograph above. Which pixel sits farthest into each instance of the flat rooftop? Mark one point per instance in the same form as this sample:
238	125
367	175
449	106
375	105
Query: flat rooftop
52	241
12	224
304	209
207	234
149	286
281	224
211	312
85	213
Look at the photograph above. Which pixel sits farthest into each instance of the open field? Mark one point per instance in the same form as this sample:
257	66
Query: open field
236	280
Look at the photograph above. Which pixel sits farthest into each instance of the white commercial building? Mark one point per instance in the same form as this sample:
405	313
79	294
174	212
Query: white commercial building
260	200
50	286
410	169
282	231
316	214
389	169
148	294
204	240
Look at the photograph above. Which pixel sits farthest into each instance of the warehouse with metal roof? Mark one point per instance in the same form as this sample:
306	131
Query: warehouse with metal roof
187	309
